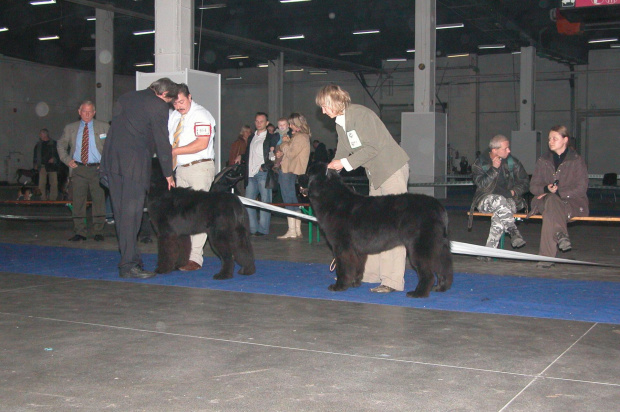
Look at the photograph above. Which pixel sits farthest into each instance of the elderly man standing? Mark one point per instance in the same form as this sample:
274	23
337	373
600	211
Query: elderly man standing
80	148
501	182
139	129
192	131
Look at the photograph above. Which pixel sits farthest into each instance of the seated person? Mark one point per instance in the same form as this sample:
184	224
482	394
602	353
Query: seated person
501	183
559	185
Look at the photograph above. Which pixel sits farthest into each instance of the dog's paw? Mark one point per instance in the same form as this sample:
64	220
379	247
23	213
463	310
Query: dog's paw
247	271
222	276
416	294
337	288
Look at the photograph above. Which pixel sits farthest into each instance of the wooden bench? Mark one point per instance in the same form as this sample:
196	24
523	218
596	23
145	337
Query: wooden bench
615	219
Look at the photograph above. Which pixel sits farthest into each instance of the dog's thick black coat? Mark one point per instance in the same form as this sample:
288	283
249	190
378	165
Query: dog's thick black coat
178	213
356	226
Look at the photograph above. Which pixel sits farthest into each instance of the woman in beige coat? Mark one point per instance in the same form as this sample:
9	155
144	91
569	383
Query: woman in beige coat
295	153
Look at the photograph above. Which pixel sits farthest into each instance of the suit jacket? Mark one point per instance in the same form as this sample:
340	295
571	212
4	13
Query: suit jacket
67	143
139	130
378	152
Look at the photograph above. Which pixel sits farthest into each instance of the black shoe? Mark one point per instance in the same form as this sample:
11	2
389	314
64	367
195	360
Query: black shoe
77	238
146	239
138	273
98	238
257	234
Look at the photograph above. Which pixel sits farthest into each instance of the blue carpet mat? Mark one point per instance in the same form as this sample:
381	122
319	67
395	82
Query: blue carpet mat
506	295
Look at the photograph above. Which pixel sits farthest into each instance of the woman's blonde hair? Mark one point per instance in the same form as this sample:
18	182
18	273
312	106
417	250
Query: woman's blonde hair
333	97
299	121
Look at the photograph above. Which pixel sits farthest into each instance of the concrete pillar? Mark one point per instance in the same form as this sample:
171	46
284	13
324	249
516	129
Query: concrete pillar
425	49
174	35
424	132
104	64
275	88
526	142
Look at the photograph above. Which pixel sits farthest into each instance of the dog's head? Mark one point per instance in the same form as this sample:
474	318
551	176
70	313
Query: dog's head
317	175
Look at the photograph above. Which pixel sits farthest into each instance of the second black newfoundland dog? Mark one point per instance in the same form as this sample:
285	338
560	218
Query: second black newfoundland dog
356	226
178	213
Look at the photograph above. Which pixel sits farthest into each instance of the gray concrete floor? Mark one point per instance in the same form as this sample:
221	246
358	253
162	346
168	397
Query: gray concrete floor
68	344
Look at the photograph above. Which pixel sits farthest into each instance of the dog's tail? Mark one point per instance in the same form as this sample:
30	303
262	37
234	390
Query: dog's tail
443	262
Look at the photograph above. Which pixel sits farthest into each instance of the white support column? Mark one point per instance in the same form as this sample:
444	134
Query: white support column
526	142
424	132
425	48
104	64
275	88
526	88
174	35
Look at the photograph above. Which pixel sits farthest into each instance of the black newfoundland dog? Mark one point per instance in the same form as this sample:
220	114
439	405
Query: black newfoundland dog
178	213
356	226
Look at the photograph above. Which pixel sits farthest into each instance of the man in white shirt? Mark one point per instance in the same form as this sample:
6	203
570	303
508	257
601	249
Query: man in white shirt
192	130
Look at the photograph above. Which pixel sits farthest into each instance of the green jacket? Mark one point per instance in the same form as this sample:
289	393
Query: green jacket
376	150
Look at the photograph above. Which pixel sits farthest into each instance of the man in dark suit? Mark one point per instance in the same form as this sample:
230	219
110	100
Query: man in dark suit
320	152
80	148
139	130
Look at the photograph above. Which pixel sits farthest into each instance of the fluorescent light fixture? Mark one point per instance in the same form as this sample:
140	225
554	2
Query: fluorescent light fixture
4	29
516	52
42	2
396	60
373	31
458	55
292	37
91	18
351	53
293	70
411	51
44	38
292	1
607	40
234	78
317	72
449	26
491	46
143	64
262	65
237	57
212	6
615	46
143	32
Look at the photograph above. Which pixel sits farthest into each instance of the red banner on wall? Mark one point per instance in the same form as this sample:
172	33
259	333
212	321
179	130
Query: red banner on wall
589	3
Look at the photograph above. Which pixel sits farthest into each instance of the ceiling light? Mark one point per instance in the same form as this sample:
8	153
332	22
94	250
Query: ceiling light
411	51
42	2
352	53
607	40
212	6
292	37
396	60
44	38
367	31
292	1
293	70
458	55
613	46
91	18
234	78
237	56
491	46
4	29
516	52
317	71
144	64
143	32
449	26
262	65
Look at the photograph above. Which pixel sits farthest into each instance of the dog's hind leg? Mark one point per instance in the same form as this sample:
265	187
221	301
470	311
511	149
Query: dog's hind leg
443	268
167	253
184	245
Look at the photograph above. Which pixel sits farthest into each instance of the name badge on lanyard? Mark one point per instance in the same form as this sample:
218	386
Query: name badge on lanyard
354	140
